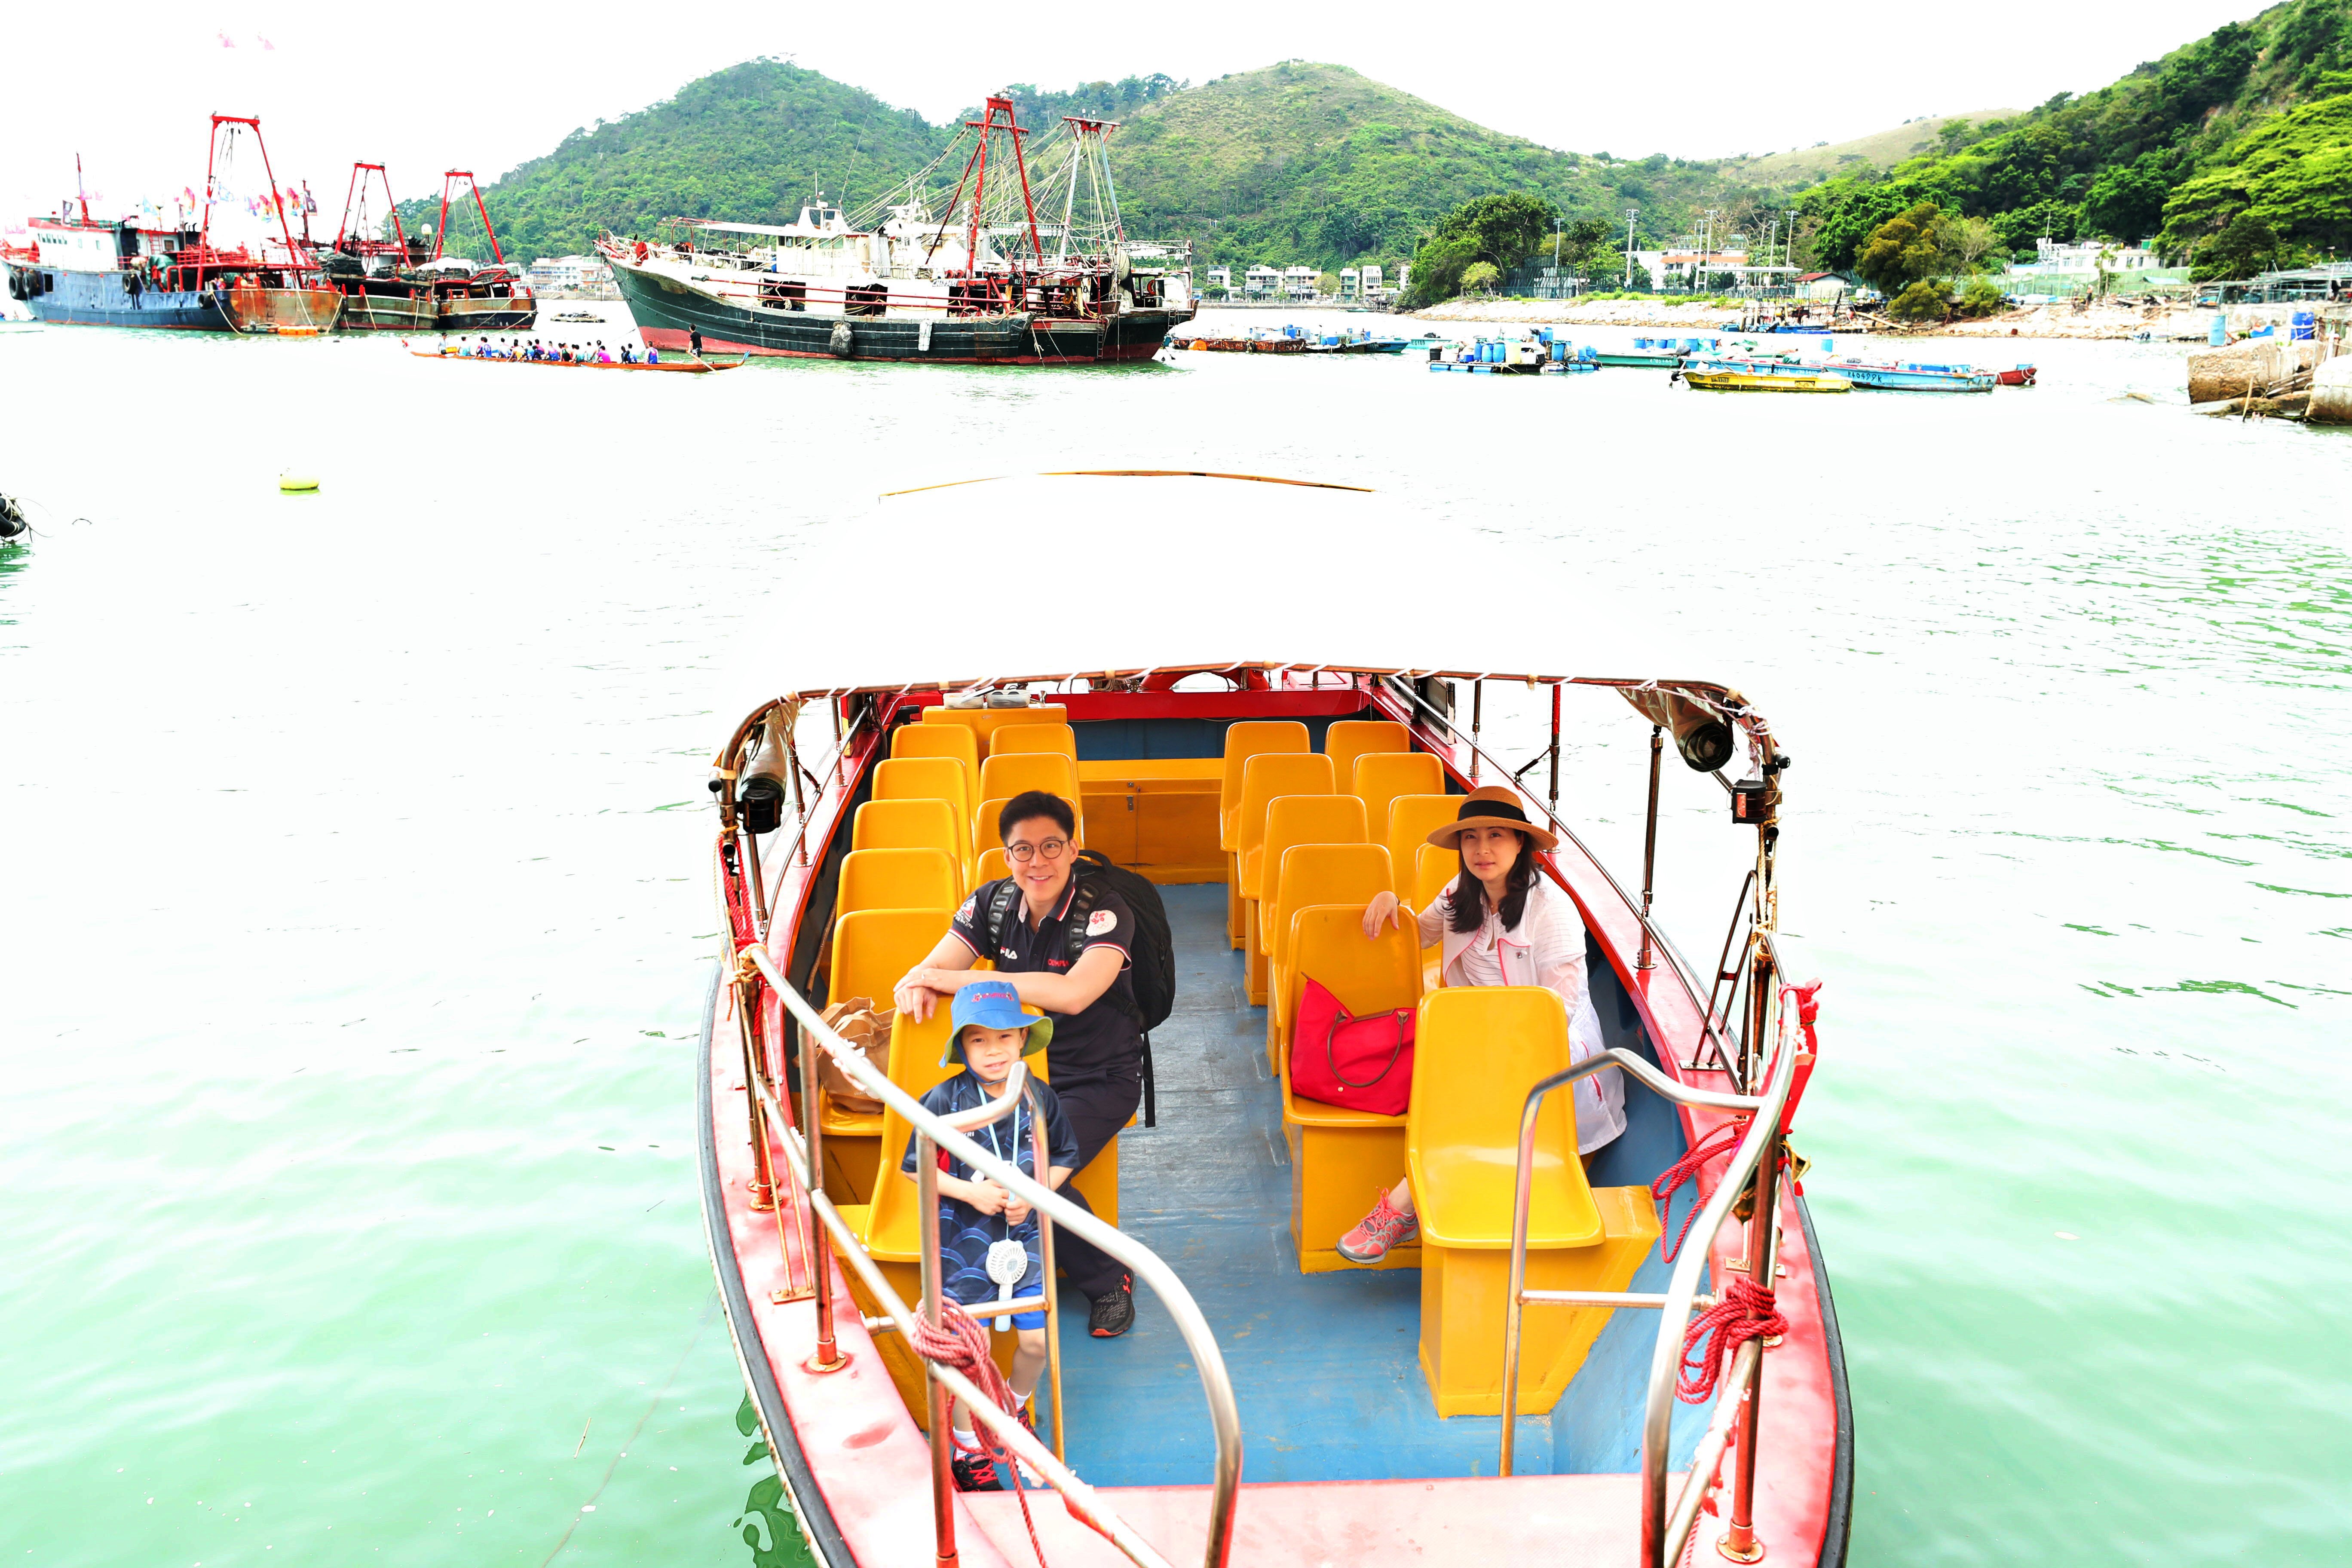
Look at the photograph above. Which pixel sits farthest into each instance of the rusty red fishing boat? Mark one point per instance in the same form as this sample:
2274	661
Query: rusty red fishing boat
1505	1389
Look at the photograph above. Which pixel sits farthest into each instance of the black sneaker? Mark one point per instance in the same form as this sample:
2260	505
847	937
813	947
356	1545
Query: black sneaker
975	1473
1114	1314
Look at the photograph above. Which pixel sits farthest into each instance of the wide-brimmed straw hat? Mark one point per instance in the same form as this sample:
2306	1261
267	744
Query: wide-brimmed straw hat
1493	806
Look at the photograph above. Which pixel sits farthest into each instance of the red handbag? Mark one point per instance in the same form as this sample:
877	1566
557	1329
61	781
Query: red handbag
1358	1064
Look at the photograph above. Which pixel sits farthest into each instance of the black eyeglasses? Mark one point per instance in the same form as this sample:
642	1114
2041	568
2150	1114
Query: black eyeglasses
1022	854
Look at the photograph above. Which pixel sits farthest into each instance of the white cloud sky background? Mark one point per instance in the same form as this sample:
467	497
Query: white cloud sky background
130	87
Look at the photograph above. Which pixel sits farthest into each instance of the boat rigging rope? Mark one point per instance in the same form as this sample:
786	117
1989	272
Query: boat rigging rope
958	1341
1744	1312
1722	1141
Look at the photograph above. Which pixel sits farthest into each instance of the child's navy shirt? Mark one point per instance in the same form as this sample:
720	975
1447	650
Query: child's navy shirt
965	1233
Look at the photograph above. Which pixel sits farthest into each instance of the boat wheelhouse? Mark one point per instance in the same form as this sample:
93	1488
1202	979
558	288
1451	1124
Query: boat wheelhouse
932	274
1504	1390
81	272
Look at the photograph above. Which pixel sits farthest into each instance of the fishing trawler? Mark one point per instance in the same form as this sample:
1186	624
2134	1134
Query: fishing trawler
929	275
1504	1389
466	296
373	270
80	272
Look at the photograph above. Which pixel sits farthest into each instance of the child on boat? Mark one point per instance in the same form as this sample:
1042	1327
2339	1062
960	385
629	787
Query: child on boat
990	1033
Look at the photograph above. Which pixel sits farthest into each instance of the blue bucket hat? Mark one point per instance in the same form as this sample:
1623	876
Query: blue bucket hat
993	1005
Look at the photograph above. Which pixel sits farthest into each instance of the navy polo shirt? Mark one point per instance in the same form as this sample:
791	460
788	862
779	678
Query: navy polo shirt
1104	1041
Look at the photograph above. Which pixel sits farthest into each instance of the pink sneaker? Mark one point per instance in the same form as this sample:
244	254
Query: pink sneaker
1382	1228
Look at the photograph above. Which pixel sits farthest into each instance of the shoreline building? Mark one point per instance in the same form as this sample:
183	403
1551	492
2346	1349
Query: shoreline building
1221	278
1261	281
550	272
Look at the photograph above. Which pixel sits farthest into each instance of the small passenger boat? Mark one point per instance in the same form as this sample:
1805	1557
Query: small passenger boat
1901	376
674	366
1502	1391
1763	380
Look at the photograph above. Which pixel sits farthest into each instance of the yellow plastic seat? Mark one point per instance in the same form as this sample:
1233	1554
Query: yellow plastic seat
1008	773
1340	1158
871	950
991	867
1412	818
1247	738
899	879
1312	874
1382	776
1264	778
908	824
1016	738
983	722
927	778
939	740
1461	1151
1350	739
983	825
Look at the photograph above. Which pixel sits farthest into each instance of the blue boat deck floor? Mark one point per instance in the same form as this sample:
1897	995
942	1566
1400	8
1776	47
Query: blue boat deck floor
1325	1366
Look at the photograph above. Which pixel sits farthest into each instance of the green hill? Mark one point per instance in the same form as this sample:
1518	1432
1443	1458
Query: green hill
750	144
1297	162
1879	150
2245	123
1315	163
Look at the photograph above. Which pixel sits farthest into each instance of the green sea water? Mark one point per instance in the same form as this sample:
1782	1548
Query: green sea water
359	918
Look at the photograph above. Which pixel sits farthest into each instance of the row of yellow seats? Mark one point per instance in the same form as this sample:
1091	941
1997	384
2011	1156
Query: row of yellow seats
1397	794
939	762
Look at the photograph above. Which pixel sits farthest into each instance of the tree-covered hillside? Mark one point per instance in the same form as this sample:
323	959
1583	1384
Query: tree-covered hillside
750	144
1296	163
2148	154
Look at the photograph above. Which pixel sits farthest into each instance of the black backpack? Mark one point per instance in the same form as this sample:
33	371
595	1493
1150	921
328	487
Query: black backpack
1152	961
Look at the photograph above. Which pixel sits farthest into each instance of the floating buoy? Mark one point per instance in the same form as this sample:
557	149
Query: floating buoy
298	484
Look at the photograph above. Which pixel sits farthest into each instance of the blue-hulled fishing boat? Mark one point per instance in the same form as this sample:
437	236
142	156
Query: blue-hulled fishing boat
1503	1389
1906	377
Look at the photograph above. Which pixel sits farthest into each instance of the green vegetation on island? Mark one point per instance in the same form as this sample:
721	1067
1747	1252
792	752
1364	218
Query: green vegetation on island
2231	152
2234	152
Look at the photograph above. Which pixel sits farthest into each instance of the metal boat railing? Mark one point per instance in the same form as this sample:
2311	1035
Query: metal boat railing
1665	1531
1654	939
933	1132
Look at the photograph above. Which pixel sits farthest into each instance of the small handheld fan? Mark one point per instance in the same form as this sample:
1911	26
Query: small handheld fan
1008	1260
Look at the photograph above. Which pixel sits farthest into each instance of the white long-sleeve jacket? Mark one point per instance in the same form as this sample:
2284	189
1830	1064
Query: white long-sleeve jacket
1547	949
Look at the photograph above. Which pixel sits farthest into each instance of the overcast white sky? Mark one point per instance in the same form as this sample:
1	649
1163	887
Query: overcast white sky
129	86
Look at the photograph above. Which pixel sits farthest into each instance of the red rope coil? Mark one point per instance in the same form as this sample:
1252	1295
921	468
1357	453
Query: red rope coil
960	1341
1744	1312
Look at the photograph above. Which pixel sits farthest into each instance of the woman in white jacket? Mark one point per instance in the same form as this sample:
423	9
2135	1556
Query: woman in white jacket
1502	923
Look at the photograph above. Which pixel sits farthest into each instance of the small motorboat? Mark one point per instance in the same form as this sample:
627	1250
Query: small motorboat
1773	381
674	366
2016	375
1519	1401
1906	376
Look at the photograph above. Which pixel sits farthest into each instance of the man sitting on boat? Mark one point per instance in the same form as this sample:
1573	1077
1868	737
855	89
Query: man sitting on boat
976	1216
1502	923
1062	943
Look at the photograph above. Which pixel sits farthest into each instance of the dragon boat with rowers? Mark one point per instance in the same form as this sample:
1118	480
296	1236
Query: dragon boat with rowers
1390	1189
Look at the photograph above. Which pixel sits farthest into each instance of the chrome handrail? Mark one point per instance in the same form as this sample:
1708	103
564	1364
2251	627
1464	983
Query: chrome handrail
1683	972
1146	1266
1522	1185
1661	1543
1664	1534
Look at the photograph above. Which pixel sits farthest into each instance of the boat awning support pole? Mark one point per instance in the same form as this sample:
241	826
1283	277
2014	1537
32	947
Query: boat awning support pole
1645	959
1477	717
927	1179
828	1356
1555	748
